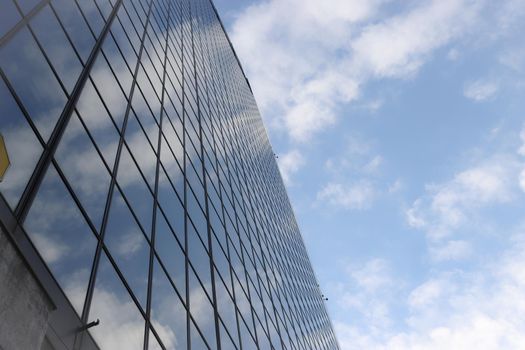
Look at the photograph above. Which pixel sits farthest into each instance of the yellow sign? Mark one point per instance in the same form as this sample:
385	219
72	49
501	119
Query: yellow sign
4	158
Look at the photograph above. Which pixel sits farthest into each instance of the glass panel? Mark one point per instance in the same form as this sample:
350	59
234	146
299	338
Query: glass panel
247	341
226	342
33	81
128	247
27	5
143	114
199	258
62	237
95	20
153	343
197	343
141	149
109	90
135	190
171	205
75	25
57	47
202	311
171	253
122	71
121	324
168	314
84	169
99	123
9	16
22	146
226	309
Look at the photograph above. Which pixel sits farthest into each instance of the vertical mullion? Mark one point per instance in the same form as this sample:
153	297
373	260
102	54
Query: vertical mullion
98	253
185	188
206	198
155	194
222	140
232	138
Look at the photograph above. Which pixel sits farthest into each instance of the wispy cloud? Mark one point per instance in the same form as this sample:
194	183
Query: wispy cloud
360	292
355	196
480	90
449	310
305	67
448	206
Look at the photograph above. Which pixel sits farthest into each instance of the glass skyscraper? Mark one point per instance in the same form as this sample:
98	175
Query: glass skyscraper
142	207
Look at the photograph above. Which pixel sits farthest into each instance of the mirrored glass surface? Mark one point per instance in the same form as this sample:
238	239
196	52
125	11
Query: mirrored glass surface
128	247
33	81
121	324
84	169
62	237
9	16
168	313
180	237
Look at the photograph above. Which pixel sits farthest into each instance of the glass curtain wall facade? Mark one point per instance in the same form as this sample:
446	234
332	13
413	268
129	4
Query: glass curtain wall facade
142	188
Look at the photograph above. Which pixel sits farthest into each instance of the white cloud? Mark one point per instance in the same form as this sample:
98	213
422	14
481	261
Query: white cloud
513	59
361	292
451	250
289	164
374	164
449	205
399	46
427	293
396	186
307	59
480	309
356	196
373	275
480	90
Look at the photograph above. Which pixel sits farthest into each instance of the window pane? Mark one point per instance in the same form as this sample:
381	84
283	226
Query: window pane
135	190
27	5
171	253
75	25
62	237
32	79
9	16
98	122
128	247
84	169
121	324
202	311
168	314
57	47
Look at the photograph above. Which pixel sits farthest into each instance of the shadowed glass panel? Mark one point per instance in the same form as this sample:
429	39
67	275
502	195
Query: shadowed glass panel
62	237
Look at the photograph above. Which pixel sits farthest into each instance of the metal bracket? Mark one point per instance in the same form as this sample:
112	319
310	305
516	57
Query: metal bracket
88	326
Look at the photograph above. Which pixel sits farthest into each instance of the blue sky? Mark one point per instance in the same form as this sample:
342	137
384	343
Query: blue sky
400	130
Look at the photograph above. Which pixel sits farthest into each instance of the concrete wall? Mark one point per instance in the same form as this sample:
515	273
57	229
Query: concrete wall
24	306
